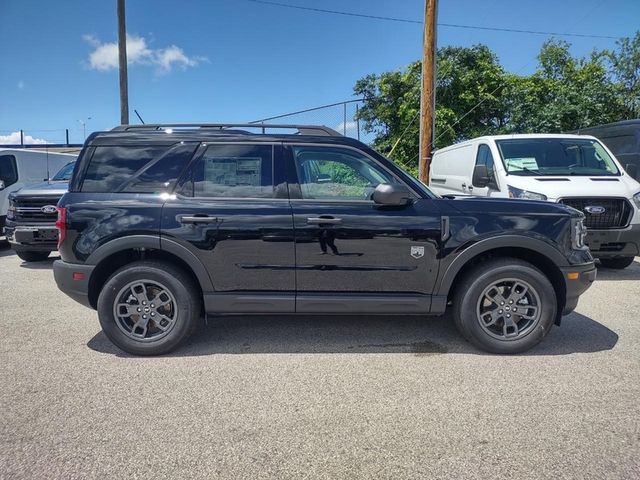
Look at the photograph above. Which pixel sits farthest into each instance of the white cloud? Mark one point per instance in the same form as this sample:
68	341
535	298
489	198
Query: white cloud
104	56
14	139
351	127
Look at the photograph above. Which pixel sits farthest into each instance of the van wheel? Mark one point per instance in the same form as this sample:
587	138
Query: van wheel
617	262
32	256
505	306
149	307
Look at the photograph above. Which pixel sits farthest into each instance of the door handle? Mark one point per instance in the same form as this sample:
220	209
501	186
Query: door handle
186	219
323	221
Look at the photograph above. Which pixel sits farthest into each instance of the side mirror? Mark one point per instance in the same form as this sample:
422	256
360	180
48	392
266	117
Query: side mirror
480	176
1	184
391	194
632	169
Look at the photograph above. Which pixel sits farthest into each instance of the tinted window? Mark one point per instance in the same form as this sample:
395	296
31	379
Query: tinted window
8	170
335	173
64	174
135	169
233	171
485	157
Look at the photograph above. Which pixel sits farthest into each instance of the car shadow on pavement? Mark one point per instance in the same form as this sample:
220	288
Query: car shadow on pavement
418	335
43	265
632	272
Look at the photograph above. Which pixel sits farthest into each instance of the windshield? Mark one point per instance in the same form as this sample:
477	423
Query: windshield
65	173
555	156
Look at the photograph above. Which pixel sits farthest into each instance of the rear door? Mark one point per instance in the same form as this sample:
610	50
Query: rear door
232	211
353	255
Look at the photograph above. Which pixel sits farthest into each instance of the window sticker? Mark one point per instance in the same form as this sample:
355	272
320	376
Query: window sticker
522	163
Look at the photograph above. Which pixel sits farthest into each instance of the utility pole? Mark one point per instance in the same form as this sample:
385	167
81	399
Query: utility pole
122	58
427	98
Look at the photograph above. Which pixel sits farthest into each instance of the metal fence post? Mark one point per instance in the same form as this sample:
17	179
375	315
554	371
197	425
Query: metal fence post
344	119
67	135
358	121
22	138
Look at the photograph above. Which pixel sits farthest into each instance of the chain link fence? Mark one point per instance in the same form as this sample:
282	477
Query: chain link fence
61	136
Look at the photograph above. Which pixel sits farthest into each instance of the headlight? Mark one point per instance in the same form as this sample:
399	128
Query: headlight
525	194
636	199
11	210
578	233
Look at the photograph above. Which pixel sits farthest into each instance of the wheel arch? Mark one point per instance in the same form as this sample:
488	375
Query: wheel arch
539	254
115	254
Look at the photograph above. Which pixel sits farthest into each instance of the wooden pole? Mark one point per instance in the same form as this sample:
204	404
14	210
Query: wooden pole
427	98
122	58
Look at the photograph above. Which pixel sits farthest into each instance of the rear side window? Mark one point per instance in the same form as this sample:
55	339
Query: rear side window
233	171
146	169
8	170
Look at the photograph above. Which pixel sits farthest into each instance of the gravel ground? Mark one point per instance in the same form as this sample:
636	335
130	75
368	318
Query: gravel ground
302	397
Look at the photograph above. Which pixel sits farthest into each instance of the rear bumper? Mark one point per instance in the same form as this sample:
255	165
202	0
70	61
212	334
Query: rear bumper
35	237
76	288
586	275
614	243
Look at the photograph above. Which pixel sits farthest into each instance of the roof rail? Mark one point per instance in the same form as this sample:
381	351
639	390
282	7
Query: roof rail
318	130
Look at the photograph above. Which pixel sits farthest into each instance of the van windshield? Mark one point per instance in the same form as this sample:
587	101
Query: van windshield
555	156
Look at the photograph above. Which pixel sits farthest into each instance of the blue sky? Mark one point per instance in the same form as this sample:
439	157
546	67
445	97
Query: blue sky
235	60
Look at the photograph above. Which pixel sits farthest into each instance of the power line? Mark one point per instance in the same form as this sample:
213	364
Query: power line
449	25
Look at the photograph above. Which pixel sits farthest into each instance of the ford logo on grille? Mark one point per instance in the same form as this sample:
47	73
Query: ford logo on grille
48	209
595	209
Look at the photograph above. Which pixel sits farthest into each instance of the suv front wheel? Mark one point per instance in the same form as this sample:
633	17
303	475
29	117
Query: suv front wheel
149	307
505	306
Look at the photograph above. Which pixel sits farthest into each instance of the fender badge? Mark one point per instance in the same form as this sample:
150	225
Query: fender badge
417	252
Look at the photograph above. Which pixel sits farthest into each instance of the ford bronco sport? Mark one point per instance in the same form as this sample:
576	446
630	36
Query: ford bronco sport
163	223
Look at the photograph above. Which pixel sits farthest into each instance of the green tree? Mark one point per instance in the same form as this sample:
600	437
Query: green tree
625	71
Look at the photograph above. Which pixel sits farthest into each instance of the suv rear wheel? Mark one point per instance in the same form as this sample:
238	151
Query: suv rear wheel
505	306
33	256
617	262
149	307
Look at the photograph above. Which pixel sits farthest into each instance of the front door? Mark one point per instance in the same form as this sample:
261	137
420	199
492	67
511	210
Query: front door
353	255
232	211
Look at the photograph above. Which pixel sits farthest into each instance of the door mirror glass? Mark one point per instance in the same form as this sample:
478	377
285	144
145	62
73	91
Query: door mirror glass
391	194
1	184
631	169
481	176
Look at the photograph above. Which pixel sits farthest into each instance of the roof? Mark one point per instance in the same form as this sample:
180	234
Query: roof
515	136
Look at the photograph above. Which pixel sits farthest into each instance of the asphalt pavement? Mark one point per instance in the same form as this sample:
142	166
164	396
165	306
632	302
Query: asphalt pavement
316	397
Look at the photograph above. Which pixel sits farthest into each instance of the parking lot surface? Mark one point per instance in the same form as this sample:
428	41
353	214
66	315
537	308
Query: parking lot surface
314	397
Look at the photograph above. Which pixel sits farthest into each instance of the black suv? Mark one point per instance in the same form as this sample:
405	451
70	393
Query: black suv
165	222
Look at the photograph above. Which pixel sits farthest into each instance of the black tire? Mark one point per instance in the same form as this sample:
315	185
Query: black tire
617	263
468	306
32	256
179	285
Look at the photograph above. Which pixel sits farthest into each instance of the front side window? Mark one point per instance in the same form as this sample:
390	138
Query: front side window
233	171
337	173
8	170
555	156
485	157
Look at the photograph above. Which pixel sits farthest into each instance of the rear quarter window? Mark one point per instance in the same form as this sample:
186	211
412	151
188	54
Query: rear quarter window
140	169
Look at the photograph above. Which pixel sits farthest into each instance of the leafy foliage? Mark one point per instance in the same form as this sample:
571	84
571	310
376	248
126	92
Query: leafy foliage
475	96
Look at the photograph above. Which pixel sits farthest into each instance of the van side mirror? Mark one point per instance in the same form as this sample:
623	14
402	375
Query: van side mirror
1	184
480	176
391	194
632	169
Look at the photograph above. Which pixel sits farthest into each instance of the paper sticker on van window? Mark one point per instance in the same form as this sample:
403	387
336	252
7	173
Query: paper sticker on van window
528	163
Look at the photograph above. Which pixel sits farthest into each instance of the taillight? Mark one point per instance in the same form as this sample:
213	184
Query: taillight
61	225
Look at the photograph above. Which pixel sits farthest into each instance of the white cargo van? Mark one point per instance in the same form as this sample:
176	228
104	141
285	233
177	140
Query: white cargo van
577	170
20	166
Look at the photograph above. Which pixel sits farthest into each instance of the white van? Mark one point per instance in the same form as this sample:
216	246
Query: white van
20	166
577	170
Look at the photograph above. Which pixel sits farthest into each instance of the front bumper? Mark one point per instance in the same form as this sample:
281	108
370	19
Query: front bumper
614	243
73	279
32	237
577	280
